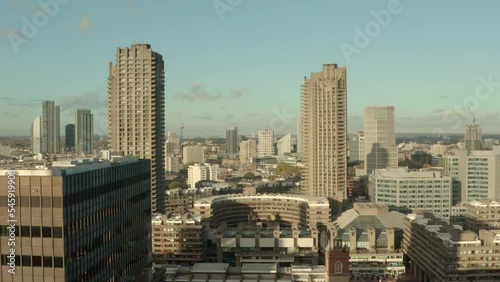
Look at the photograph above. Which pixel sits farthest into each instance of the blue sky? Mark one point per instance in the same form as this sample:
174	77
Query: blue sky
243	61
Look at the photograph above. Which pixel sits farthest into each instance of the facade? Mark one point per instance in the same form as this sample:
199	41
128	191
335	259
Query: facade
263	242
406	190
438	149
69	137
250	272
441	252
475	173
284	145
173	144
80	220
291	209
182	200
482	214
248	150
51	137
193	154
473	137
265	143
178	239
199	172
84	131
357	147
36	136
232	141
136	111
380	139
373	236
172	164
324	134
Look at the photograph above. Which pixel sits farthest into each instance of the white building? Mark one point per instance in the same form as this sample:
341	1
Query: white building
199	172
412	190
438	149
476	174
284	145
248	150
36	136
193	154
357	147
265	143
172	164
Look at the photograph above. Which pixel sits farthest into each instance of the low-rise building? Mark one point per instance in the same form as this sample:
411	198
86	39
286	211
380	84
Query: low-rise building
199	172
178	239
438	251
482	214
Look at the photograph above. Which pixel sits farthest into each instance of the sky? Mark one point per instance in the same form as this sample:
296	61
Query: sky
242	62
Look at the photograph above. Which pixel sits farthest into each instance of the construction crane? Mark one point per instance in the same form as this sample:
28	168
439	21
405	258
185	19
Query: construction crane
181	126
472	114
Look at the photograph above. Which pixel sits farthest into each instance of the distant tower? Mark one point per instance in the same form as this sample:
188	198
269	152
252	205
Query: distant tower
232	140
473	137
84	131
69	137
51	137
36	135
337	262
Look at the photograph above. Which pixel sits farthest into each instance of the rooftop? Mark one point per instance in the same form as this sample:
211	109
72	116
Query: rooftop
310	200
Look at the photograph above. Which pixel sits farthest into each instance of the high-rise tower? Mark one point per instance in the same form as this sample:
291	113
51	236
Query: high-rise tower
323	131
232	140
84	131
136	111
380	139
50	128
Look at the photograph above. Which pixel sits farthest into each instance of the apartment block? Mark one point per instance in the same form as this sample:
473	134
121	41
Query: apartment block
178	239
84	131
357	147
76	220
36	136
172	164
232	141
323	133
482	214
248	150
193	154
51	137
438	251
406	190
476	174
199	172
136	111
265	143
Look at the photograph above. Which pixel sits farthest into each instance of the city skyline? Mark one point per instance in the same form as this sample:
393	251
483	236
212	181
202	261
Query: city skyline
210	102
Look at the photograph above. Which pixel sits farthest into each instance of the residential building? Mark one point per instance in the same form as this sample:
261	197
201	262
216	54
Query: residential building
172	164
380	139
357	147
193	154
291	209
36	136
248	150
178	239
438	149
77	220
173	144
51	137
199	172
265	143
136	111
84	131
408	191
438	251
475	174
232	141
482	214
324	134
284	145
182	200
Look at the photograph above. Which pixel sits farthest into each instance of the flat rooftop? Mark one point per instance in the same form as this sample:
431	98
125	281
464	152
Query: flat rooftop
210	268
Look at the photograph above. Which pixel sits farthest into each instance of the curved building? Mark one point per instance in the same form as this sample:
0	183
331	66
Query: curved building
289	209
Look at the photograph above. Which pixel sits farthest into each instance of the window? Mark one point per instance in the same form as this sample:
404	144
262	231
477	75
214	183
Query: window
47	261
46	232
338	267
35	231
37	261
57	232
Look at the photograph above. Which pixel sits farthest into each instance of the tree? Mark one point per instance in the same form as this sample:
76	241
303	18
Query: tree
249	175
175	185
285	170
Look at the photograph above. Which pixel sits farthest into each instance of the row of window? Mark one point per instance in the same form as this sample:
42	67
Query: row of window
34	202
35	261
33	231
